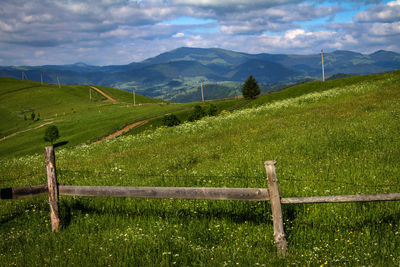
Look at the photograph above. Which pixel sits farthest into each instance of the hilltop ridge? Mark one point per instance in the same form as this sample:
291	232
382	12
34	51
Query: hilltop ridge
176	74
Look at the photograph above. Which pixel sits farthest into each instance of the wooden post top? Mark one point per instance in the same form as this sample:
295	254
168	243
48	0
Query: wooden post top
270	162
48	148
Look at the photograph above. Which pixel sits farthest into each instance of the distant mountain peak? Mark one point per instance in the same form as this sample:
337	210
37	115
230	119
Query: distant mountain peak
345	52
80	64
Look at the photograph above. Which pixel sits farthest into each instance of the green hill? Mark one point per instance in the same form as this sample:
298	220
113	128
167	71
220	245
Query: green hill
82	115
334	138
27	107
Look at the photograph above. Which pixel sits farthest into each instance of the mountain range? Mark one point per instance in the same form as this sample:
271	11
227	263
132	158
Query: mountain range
176	75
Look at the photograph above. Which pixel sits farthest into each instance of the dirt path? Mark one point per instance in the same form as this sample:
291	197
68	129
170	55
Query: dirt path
104	94
27	130
19	89
122	131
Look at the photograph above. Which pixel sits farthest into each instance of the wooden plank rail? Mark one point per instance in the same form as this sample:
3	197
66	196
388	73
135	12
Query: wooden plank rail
23	192
341	199
207	193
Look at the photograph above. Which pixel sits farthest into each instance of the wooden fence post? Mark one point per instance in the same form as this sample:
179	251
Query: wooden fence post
52	186
275	199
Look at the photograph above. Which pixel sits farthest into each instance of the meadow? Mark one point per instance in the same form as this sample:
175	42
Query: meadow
80	120
333	138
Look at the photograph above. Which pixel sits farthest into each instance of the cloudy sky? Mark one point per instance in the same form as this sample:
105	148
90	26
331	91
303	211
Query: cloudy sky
108	32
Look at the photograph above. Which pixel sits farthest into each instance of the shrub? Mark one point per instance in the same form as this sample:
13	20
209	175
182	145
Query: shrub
197	113
250	89
212	110
51	134
171	120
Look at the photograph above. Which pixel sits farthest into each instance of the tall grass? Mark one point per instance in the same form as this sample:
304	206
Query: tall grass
340	140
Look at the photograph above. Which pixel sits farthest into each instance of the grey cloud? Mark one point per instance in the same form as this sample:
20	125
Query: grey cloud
274	19
381	13
119	32
230	3
50	23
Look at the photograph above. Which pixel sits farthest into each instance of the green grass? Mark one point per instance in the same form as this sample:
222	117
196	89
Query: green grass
333	140
184	113
79	120
128	97
314	86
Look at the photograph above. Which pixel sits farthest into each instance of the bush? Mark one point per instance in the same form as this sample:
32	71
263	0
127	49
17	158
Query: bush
171	120
51	134
212	110
250	89
197	113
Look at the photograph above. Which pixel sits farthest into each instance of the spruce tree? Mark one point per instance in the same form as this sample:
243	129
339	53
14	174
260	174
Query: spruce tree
250	89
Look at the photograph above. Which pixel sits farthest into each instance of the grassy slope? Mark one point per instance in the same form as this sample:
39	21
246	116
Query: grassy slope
125	96
314	86
183	114
338	141
79	120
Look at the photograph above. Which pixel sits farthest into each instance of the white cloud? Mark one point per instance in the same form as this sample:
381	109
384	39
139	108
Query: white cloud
292	34
394	3
385	29
178	35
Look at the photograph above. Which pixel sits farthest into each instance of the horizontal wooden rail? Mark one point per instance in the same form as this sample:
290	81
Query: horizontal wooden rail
208	193
341	199
22	192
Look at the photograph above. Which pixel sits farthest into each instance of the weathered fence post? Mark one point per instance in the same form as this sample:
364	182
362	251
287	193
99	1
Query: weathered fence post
52	186
275	199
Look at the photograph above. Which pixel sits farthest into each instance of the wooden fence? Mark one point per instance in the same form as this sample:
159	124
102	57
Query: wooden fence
206	193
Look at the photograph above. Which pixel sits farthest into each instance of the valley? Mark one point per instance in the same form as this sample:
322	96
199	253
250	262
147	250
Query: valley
176	75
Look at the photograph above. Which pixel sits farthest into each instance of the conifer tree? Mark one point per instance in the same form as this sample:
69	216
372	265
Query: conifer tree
250	89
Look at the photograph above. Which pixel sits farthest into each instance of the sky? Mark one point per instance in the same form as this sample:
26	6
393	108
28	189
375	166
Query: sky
118	32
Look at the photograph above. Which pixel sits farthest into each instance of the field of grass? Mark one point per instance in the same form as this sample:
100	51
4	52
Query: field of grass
332	138
78	119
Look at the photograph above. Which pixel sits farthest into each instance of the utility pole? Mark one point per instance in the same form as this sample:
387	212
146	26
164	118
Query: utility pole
202	93
58	80
134	95
90	94
24	77
41	78
323	69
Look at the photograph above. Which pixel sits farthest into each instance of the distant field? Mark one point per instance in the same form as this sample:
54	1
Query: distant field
79	119
332	138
